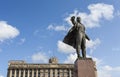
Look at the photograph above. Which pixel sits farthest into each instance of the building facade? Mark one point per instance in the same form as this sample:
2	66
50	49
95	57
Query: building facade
52	69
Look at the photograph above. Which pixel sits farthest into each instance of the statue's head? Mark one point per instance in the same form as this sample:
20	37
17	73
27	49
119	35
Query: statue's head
72	18
78	19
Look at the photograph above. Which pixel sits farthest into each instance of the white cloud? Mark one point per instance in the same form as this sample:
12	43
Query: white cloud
97	12
101	10
107	67
1	75
62	47
118	13
36	32
92	44
97	61
57	28
0	50
7	31
108	71
22	40
116	49
40	57
71	58
68	18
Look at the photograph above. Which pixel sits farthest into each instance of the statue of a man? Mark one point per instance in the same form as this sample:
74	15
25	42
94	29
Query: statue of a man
76	37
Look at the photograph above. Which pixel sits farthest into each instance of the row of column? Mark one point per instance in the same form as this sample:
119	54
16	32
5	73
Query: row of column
36	73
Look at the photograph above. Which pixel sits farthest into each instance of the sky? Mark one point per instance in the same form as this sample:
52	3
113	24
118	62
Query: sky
33	30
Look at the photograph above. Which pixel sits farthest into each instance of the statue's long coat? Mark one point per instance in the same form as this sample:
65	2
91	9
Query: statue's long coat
70	38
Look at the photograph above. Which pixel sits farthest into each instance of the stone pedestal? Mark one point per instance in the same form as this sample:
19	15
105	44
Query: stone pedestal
85	68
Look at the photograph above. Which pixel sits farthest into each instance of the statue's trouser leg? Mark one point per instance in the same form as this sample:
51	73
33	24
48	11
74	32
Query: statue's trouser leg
78	44
78	51
83	47
84	53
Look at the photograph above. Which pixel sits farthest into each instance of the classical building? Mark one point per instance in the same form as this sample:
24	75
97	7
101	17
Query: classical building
52	69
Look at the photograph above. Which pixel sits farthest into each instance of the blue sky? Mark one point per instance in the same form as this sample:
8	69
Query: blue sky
33	31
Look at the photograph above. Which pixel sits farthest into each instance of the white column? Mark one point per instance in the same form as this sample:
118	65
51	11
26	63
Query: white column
36	72
19	72
28	73
32	72
10	73
56	72
51	73
23	72
42	73
15	73
61	73
46	72
70	73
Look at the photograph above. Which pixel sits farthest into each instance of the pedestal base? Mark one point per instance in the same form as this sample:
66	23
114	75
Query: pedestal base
85	68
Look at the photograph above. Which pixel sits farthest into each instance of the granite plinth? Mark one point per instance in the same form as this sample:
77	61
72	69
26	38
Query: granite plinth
85	67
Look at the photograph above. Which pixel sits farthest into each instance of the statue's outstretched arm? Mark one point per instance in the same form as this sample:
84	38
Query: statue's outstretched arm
87	37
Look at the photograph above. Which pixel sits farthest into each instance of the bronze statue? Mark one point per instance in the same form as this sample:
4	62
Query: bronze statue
76	37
